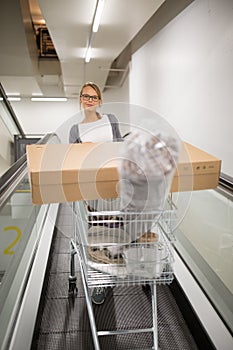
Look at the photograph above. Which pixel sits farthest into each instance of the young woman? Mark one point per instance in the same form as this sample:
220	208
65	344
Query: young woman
94	127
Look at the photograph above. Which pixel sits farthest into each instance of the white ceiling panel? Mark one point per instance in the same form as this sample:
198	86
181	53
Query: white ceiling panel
25	86
69	23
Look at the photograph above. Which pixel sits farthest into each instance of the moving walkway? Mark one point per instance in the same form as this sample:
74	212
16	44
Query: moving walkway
36	311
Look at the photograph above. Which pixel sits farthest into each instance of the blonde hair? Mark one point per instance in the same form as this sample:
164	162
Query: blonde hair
93	86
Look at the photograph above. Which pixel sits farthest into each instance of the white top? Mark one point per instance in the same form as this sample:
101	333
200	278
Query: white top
98	131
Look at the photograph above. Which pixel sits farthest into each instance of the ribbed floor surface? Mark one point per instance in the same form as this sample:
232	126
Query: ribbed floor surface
63	323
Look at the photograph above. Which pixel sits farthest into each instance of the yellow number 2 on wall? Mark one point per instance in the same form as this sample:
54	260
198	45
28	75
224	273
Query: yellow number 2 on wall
8	249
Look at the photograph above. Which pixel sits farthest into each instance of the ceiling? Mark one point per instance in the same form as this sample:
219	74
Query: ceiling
69	24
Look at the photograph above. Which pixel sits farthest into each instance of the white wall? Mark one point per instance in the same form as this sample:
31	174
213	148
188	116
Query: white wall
43	117
185	73
120	94
116	101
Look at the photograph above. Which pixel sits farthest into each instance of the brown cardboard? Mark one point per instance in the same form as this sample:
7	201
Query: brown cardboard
196	170
65	173
71	172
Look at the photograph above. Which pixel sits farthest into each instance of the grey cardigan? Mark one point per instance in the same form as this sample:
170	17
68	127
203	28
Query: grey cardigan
74	131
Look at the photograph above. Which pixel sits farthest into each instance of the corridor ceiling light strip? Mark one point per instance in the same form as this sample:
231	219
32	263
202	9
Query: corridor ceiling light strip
36	94
98	14
88	54
11	94
95	27
49	99
14	98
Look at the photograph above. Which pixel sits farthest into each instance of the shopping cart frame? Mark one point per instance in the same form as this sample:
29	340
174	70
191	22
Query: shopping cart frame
78	246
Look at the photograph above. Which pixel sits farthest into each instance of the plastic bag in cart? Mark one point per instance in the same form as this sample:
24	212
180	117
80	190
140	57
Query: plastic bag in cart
146	168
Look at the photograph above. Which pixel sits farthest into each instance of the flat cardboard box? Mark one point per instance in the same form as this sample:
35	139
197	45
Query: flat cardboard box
196	170
71	172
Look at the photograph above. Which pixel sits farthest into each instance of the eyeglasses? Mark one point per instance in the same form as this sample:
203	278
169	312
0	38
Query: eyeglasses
87	97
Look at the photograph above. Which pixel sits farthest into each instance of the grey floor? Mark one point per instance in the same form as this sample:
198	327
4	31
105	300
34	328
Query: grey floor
63	322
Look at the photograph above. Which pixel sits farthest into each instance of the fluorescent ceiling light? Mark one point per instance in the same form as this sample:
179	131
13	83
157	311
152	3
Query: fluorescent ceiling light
37	94
97	17
48	99
14	98
13	94
88	54
95	27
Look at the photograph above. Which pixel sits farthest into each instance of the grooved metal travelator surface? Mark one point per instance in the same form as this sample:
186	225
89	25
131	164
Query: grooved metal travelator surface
63	321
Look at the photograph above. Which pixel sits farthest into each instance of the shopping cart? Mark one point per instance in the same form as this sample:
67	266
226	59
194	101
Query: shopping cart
110	254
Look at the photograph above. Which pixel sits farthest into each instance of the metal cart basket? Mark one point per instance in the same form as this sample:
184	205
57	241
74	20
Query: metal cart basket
117	248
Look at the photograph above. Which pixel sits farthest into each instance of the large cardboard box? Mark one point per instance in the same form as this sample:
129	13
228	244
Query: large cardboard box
197	170
71	172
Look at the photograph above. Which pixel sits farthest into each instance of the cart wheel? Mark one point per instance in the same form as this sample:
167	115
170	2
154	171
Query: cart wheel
73	290
146	287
